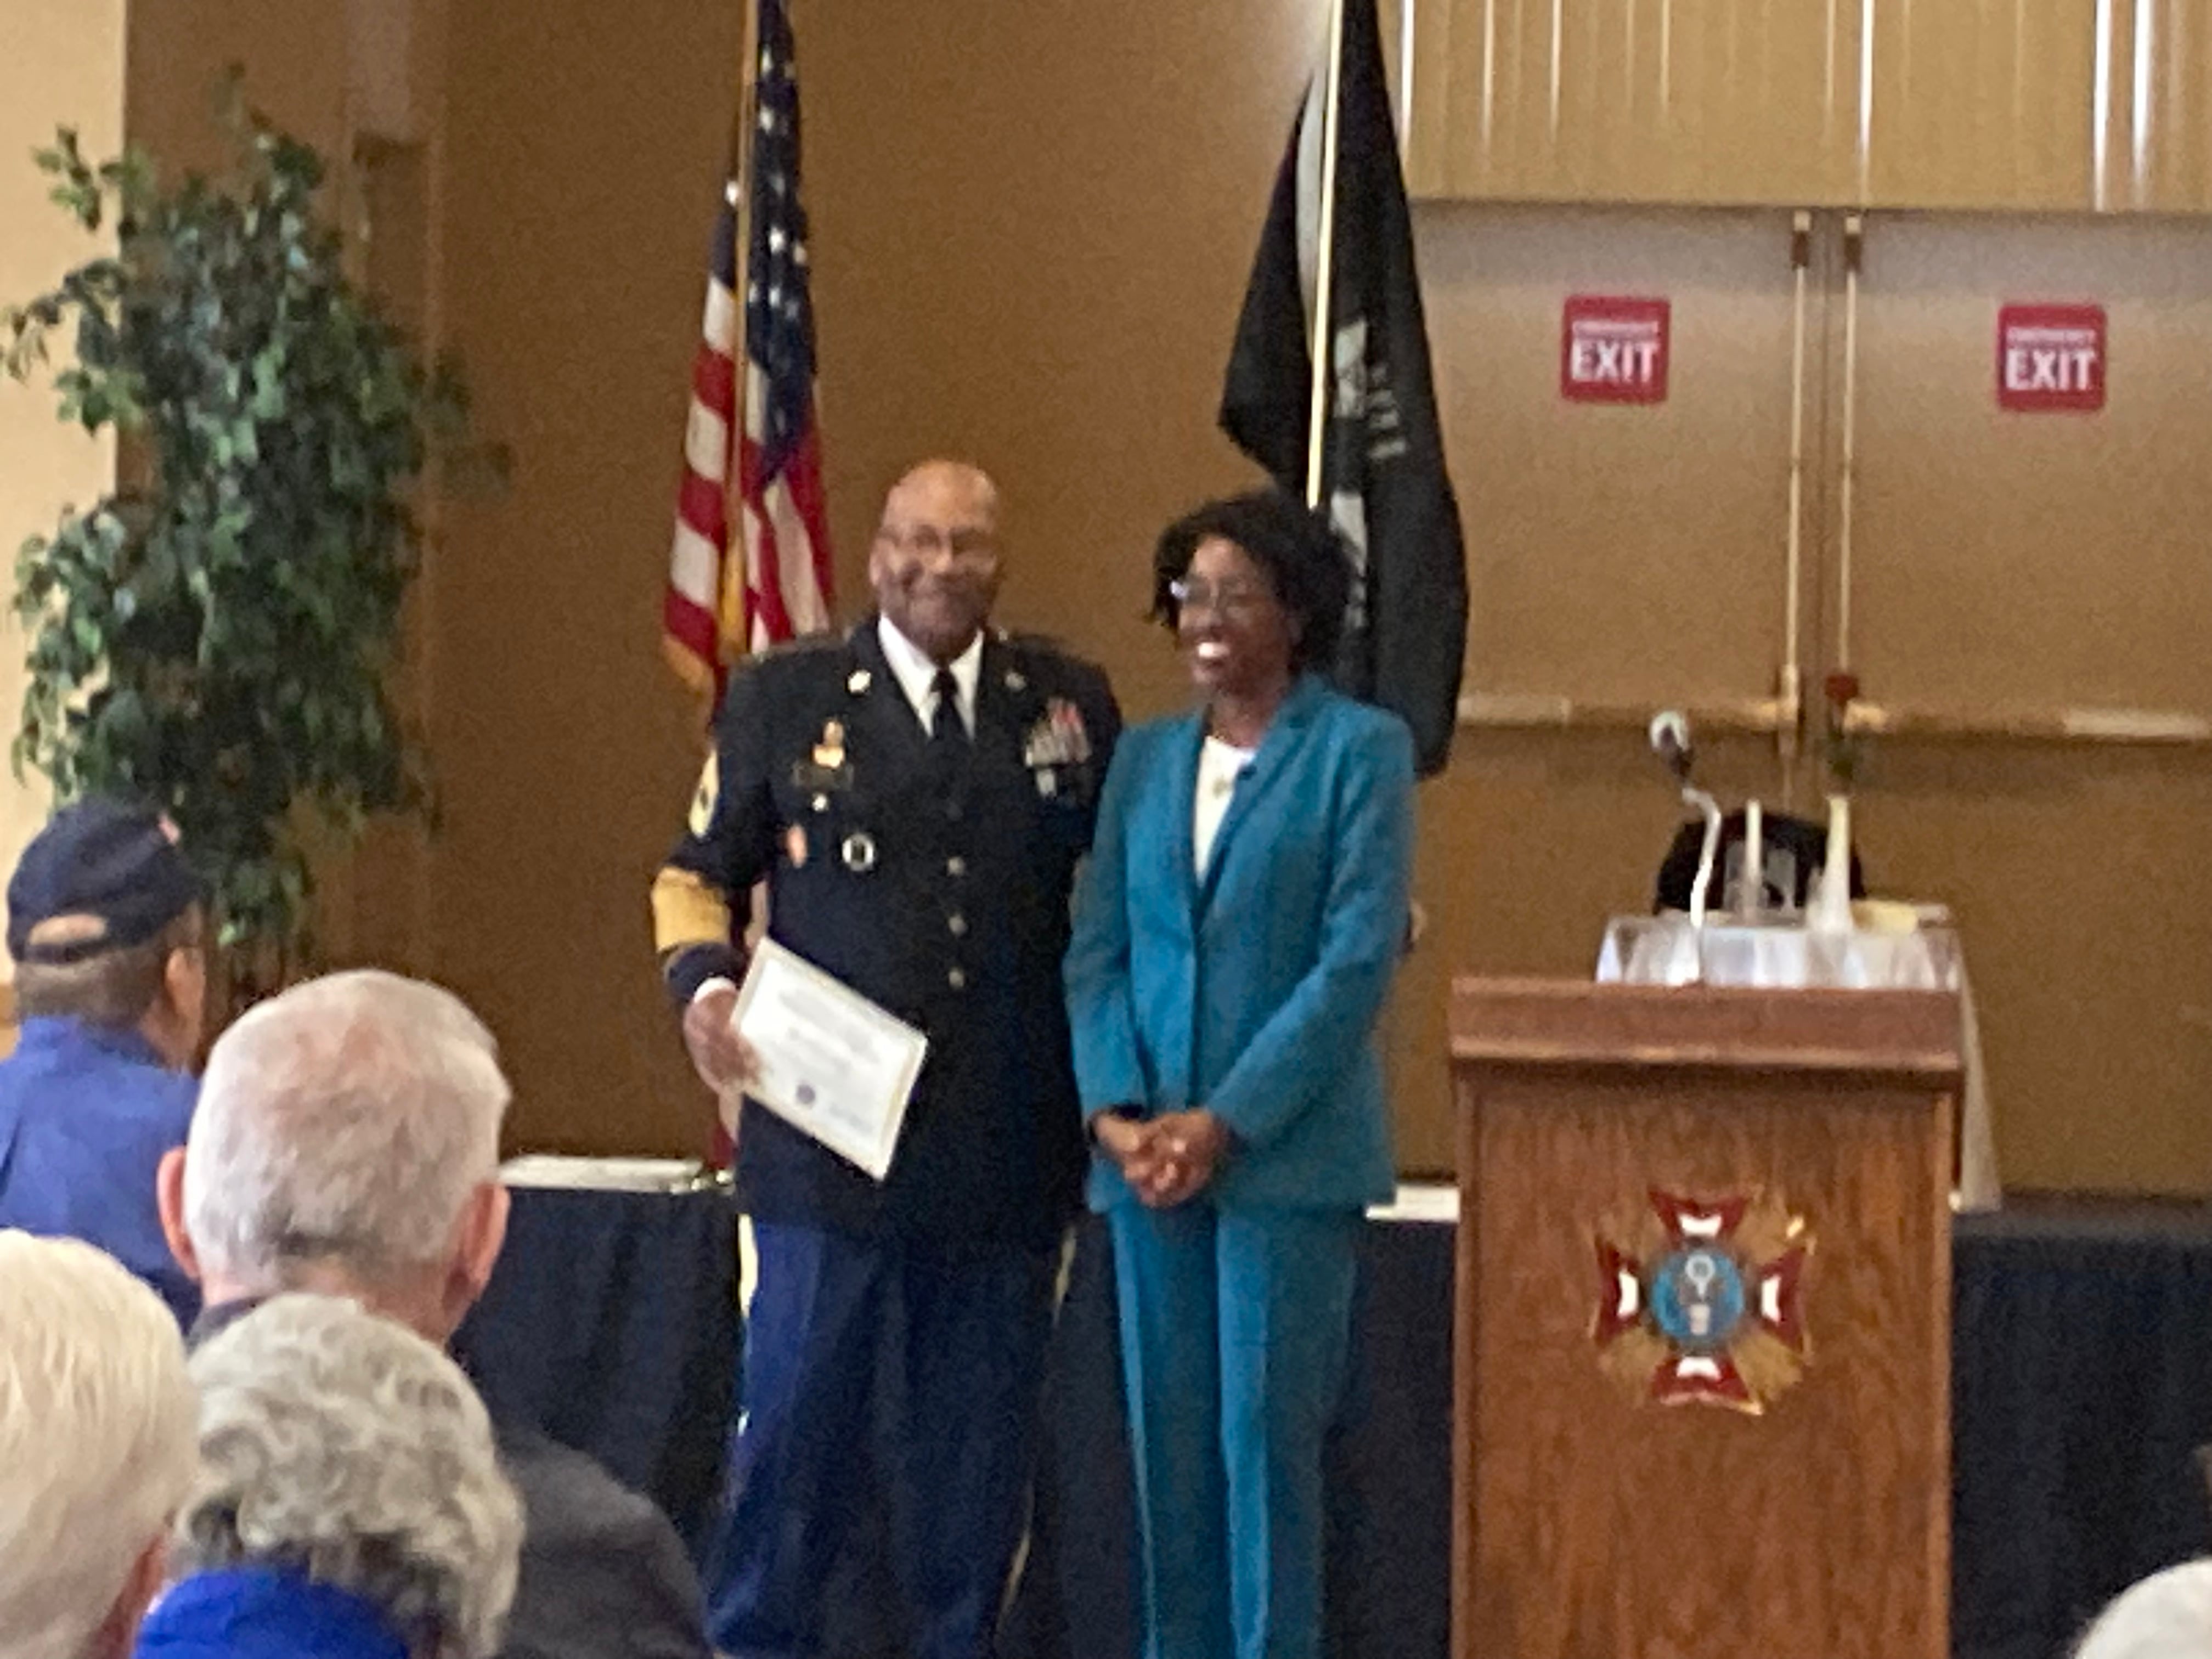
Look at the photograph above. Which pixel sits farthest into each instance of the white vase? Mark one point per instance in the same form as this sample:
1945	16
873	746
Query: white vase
1832	904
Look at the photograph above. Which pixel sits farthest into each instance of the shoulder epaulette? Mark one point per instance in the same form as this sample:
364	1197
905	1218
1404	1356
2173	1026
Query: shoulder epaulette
807	649
806	645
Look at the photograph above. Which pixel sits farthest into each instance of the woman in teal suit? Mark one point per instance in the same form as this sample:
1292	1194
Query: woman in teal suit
1236	931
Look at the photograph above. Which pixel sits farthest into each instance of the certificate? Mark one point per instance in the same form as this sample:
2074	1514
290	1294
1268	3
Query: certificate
832	1063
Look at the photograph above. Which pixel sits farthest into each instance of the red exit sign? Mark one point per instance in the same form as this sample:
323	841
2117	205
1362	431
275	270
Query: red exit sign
2051	358
1613	350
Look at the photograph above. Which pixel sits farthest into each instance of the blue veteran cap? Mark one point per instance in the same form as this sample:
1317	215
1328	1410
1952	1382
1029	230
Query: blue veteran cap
101	875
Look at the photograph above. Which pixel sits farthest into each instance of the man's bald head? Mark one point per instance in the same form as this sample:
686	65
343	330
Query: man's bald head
934	564
944	481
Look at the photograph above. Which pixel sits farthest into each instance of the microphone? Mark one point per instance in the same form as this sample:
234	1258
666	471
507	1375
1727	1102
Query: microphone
1670	741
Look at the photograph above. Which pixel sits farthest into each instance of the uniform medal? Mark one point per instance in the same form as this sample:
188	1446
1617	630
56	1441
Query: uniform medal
826	767
1059	739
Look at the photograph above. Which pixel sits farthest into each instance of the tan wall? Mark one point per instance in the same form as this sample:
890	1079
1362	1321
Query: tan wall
1035	224
583	163
2047	564
62	66
294	53
2007	570
1032	226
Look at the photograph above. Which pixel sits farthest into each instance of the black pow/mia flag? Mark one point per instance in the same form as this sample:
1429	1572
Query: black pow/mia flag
1384	478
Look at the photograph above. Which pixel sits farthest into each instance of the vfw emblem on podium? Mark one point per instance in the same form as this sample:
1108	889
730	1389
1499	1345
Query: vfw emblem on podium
1701	1303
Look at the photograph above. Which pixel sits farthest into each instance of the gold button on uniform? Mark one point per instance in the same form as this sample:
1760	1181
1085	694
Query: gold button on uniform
957	925
958	979
956	865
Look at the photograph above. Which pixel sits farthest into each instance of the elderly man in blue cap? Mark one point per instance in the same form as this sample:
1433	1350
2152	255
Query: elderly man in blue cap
107	923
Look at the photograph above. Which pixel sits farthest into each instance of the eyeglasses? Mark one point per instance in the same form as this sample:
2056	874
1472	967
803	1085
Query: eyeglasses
927	541
1223	599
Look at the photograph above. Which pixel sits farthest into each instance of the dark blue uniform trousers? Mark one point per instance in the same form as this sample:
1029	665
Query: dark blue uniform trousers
841	1330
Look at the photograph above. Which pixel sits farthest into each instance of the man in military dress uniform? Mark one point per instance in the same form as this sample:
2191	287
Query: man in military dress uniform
916	796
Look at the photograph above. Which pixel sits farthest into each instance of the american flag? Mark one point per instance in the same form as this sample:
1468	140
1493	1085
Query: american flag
728	596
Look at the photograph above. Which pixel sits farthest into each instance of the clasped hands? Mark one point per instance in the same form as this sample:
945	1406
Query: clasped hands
1166	1159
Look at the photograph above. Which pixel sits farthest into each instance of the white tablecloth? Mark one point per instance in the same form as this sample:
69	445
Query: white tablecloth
602	1174
1665	950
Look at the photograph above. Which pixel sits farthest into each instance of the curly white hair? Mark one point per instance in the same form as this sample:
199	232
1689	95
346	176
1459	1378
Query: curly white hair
345	1447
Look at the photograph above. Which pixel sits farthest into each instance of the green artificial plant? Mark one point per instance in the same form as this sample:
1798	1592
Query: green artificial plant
217	636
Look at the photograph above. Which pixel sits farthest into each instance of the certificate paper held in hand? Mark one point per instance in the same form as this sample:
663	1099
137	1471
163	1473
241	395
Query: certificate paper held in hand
832	1063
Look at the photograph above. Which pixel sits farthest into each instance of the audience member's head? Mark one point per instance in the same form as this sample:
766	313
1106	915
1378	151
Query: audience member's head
107	925
96	1448
347	1140
2168	1616
348	1478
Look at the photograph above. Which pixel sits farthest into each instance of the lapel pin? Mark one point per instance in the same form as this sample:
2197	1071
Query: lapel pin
859	681
1015	681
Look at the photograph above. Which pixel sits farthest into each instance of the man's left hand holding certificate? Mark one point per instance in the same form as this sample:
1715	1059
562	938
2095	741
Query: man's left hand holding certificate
825	1059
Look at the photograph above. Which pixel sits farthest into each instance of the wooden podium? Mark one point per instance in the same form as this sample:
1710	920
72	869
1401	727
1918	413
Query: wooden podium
1703	1321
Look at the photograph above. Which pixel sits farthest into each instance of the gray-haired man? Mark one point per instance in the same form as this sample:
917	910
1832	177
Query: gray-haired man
347	1141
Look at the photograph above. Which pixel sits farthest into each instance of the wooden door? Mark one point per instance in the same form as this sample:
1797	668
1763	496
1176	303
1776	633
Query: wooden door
2031	602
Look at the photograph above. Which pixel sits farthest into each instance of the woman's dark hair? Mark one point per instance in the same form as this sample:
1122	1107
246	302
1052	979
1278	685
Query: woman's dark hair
1305	562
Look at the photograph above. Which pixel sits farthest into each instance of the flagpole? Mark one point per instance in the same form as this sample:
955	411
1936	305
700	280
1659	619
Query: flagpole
735	609
1324	260
741	166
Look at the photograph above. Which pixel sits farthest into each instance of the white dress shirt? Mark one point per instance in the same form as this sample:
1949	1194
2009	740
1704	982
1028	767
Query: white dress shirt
912	668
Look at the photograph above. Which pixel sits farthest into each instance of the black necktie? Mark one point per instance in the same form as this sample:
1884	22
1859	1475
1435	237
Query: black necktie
947	736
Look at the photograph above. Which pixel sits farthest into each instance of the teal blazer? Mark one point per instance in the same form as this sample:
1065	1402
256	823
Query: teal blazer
1254	991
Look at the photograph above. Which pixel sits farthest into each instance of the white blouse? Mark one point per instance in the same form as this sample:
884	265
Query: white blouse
1219	765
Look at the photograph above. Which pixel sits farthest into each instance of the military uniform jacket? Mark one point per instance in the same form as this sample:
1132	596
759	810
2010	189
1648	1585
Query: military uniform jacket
935	885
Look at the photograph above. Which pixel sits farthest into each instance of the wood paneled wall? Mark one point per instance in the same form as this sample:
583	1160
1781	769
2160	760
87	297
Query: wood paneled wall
2057	104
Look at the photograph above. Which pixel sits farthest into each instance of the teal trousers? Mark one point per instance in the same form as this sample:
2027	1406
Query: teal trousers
1235	1327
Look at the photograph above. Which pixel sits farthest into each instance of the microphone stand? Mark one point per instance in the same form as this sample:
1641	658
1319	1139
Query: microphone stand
1707	853
1670	741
